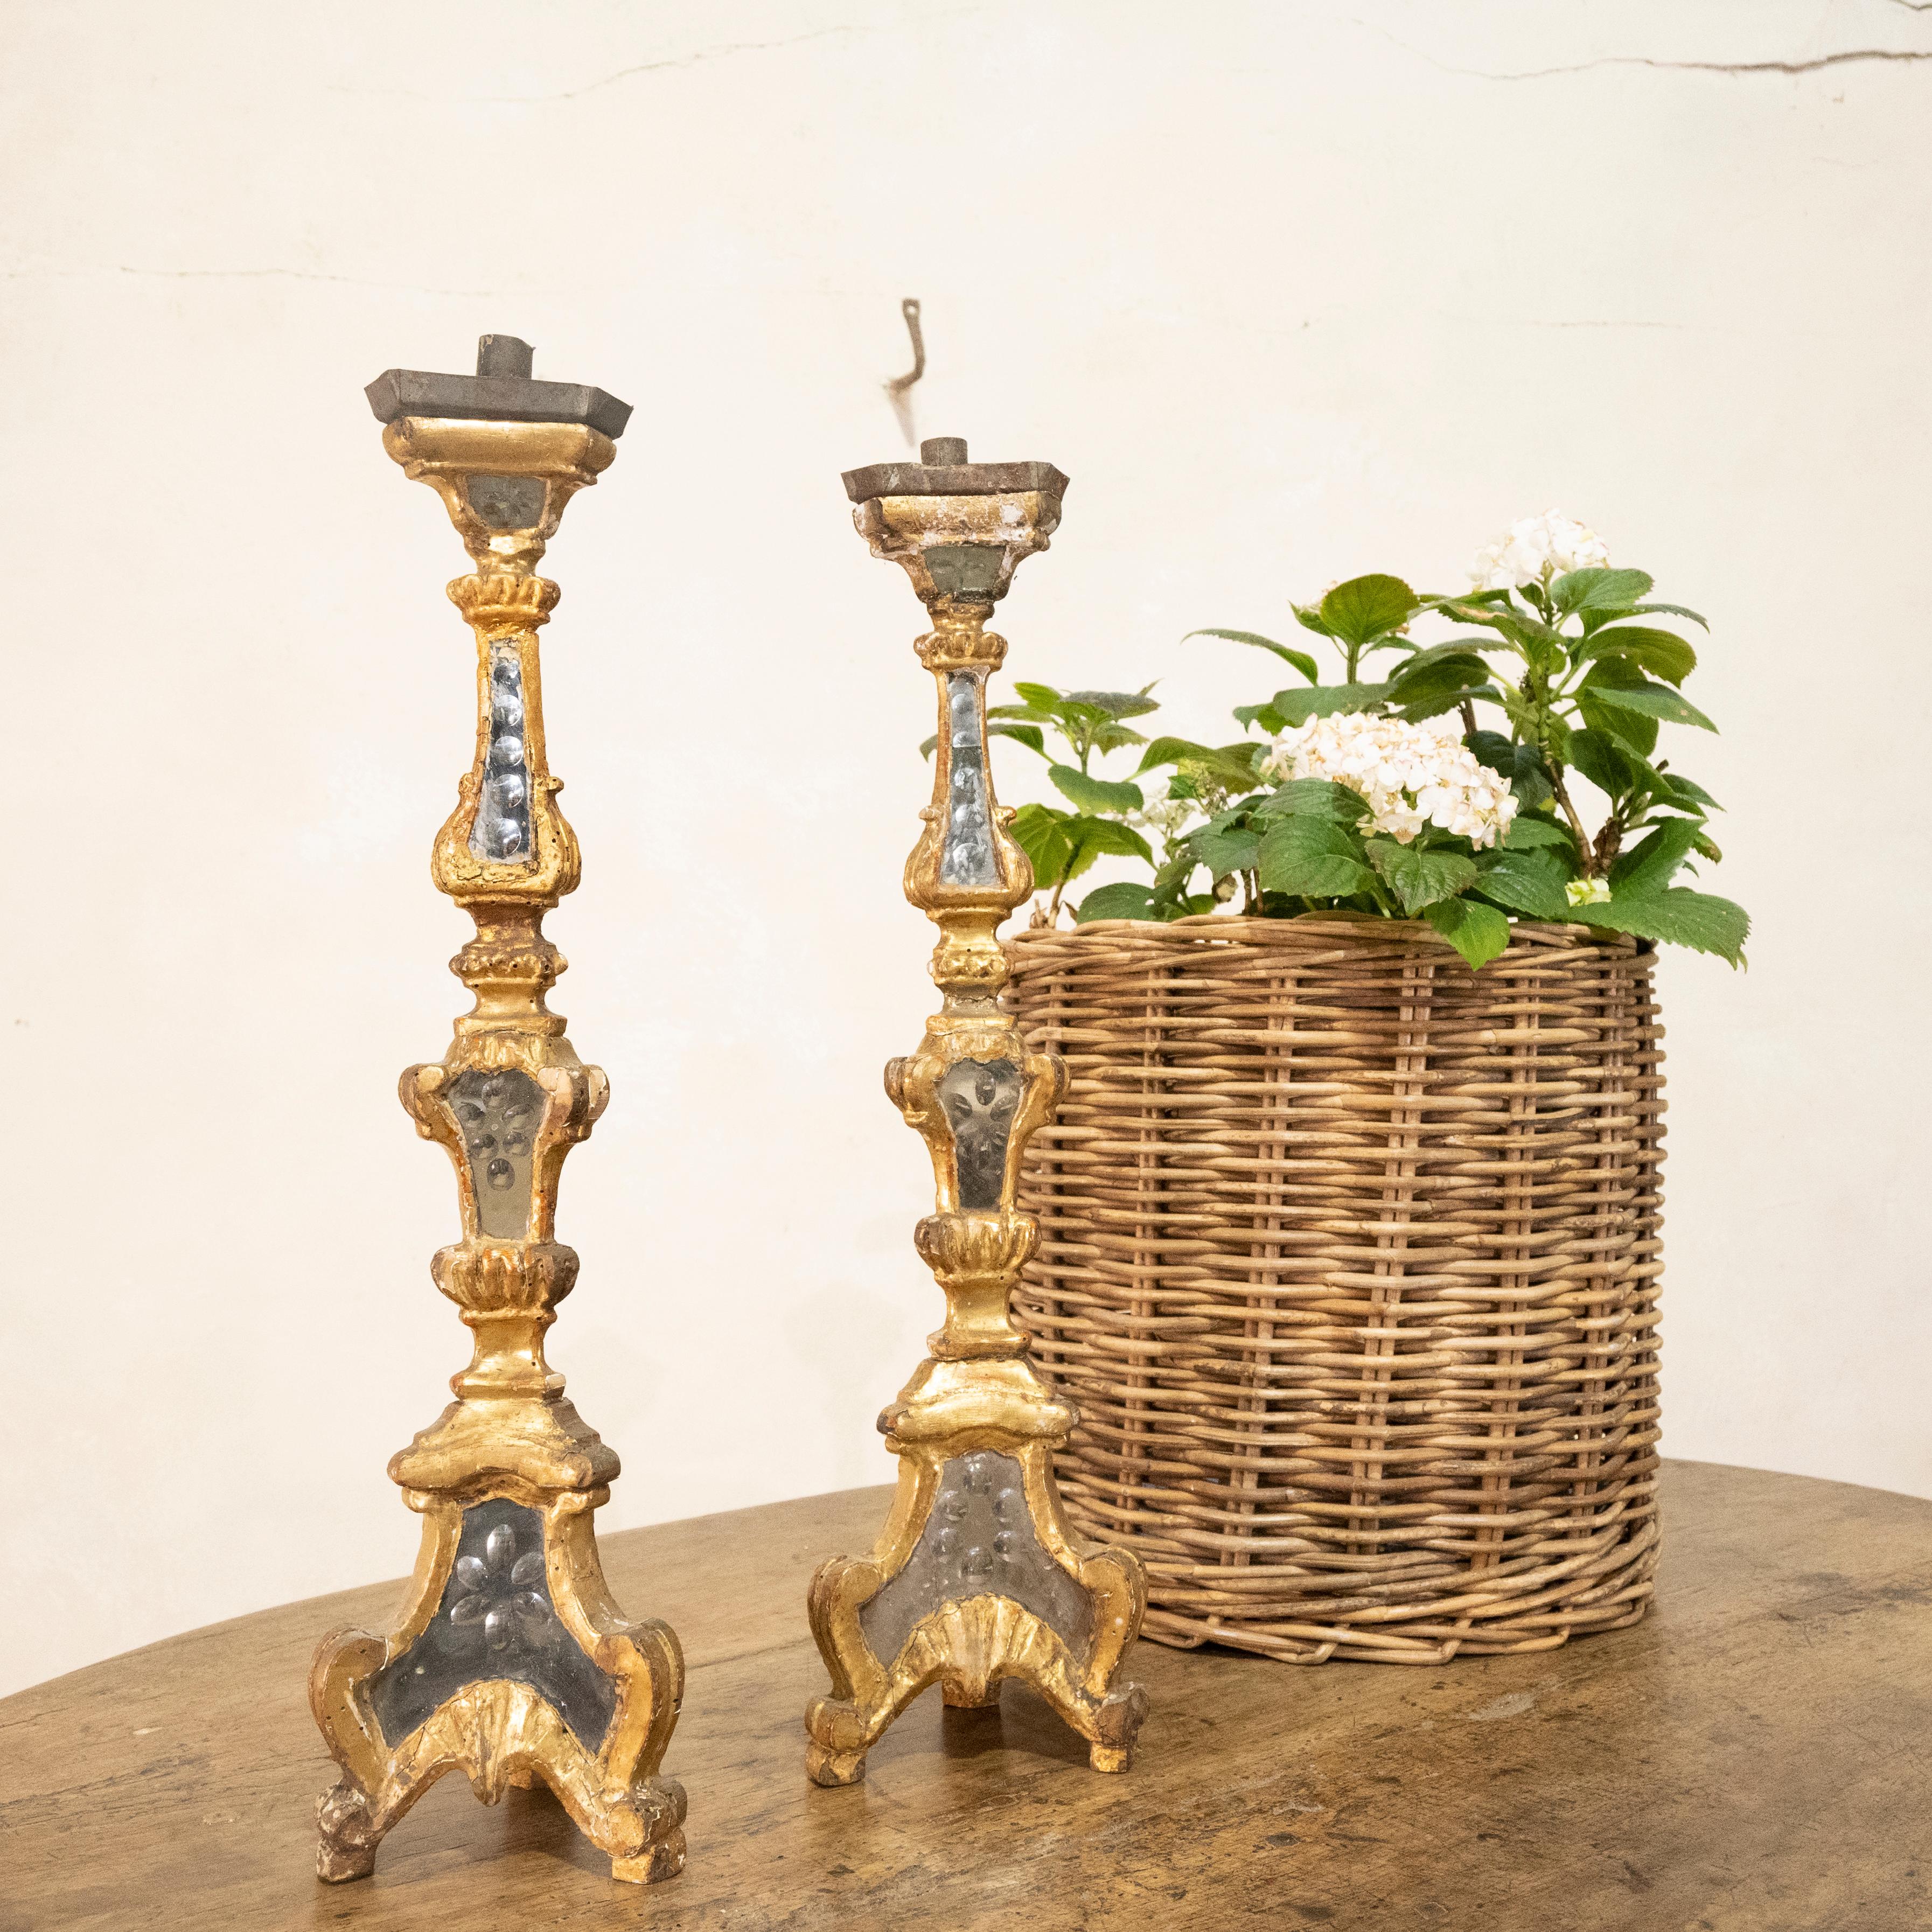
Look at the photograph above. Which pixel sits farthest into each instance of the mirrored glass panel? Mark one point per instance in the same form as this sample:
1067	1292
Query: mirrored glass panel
497	1619
502	832
966	853
500	1112
965	570
978	1541
980	1098
507	502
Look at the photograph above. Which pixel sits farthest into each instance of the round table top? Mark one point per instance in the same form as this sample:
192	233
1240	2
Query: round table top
1750	1758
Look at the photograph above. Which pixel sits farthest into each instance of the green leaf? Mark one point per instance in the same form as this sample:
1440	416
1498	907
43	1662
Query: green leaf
1093	836
1521	764
1652	700
1092	794
1477	931
1367	607
1663	651
1232	766
1527	882
1112	737
1418	709
1418	877
1670	610
1041	697
1309	616
1301	660
1224	852
1242	756
1271	720
1028	735
1170	751
1529	833
1040	832
1312	857
1493	749
1673	788
1325	701
1624	730
1321	796
1125	899
1423	676
1597	590
1676	915
1116	703
1649	864
1597	757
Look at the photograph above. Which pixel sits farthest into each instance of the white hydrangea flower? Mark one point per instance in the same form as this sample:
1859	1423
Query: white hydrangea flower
1535	549
1412	776
1587	891
1167	817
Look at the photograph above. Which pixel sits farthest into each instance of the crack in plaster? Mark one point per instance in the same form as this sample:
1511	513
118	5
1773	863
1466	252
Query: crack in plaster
1847	57
609	79
1844	59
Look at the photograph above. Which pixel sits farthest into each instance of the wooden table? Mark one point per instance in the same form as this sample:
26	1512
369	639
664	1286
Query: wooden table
1755	1757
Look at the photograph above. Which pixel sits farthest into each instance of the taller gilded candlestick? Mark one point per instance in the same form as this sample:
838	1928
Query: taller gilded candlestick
510	1660
975	1576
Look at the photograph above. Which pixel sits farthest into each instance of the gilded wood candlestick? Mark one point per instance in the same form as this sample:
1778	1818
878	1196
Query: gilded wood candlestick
509	1660
975	1576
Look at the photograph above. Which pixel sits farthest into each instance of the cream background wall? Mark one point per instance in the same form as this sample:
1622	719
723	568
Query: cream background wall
1291	291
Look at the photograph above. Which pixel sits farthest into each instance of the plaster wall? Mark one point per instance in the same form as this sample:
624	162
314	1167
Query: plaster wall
1291	291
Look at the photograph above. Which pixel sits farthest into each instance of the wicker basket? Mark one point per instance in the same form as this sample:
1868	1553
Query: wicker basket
1350	1258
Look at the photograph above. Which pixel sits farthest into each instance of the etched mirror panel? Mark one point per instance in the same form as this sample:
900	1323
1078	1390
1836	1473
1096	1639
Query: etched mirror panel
497	1619
979	1541
966	854
502	832
980	1098
499	1113
507	502
966	570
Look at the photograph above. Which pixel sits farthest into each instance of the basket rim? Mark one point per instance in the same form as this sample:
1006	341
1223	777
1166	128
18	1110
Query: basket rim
1336	929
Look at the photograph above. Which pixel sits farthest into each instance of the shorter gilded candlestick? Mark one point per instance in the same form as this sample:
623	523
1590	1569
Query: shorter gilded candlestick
976	1577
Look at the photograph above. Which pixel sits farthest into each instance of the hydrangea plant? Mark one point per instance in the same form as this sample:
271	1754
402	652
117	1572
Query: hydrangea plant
1431	780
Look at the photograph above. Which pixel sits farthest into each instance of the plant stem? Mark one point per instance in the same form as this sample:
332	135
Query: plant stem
1584	846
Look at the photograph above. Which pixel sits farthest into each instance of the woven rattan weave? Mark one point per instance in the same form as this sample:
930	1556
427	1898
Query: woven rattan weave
1350	1258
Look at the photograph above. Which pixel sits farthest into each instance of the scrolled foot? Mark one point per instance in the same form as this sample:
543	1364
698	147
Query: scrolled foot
658	1806
833	1768
1116	1724
346	1847
836	1754
663	1858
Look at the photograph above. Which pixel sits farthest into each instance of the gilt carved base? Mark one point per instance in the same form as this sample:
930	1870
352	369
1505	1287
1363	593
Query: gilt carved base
974	1580
510	1662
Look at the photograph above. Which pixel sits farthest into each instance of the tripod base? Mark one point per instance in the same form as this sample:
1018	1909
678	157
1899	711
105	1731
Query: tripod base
974	1580
510	1664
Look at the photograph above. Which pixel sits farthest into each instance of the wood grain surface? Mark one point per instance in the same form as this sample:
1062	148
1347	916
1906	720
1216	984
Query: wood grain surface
1755	1756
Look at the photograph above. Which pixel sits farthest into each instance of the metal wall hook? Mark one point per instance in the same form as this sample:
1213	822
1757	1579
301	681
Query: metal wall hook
896	389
